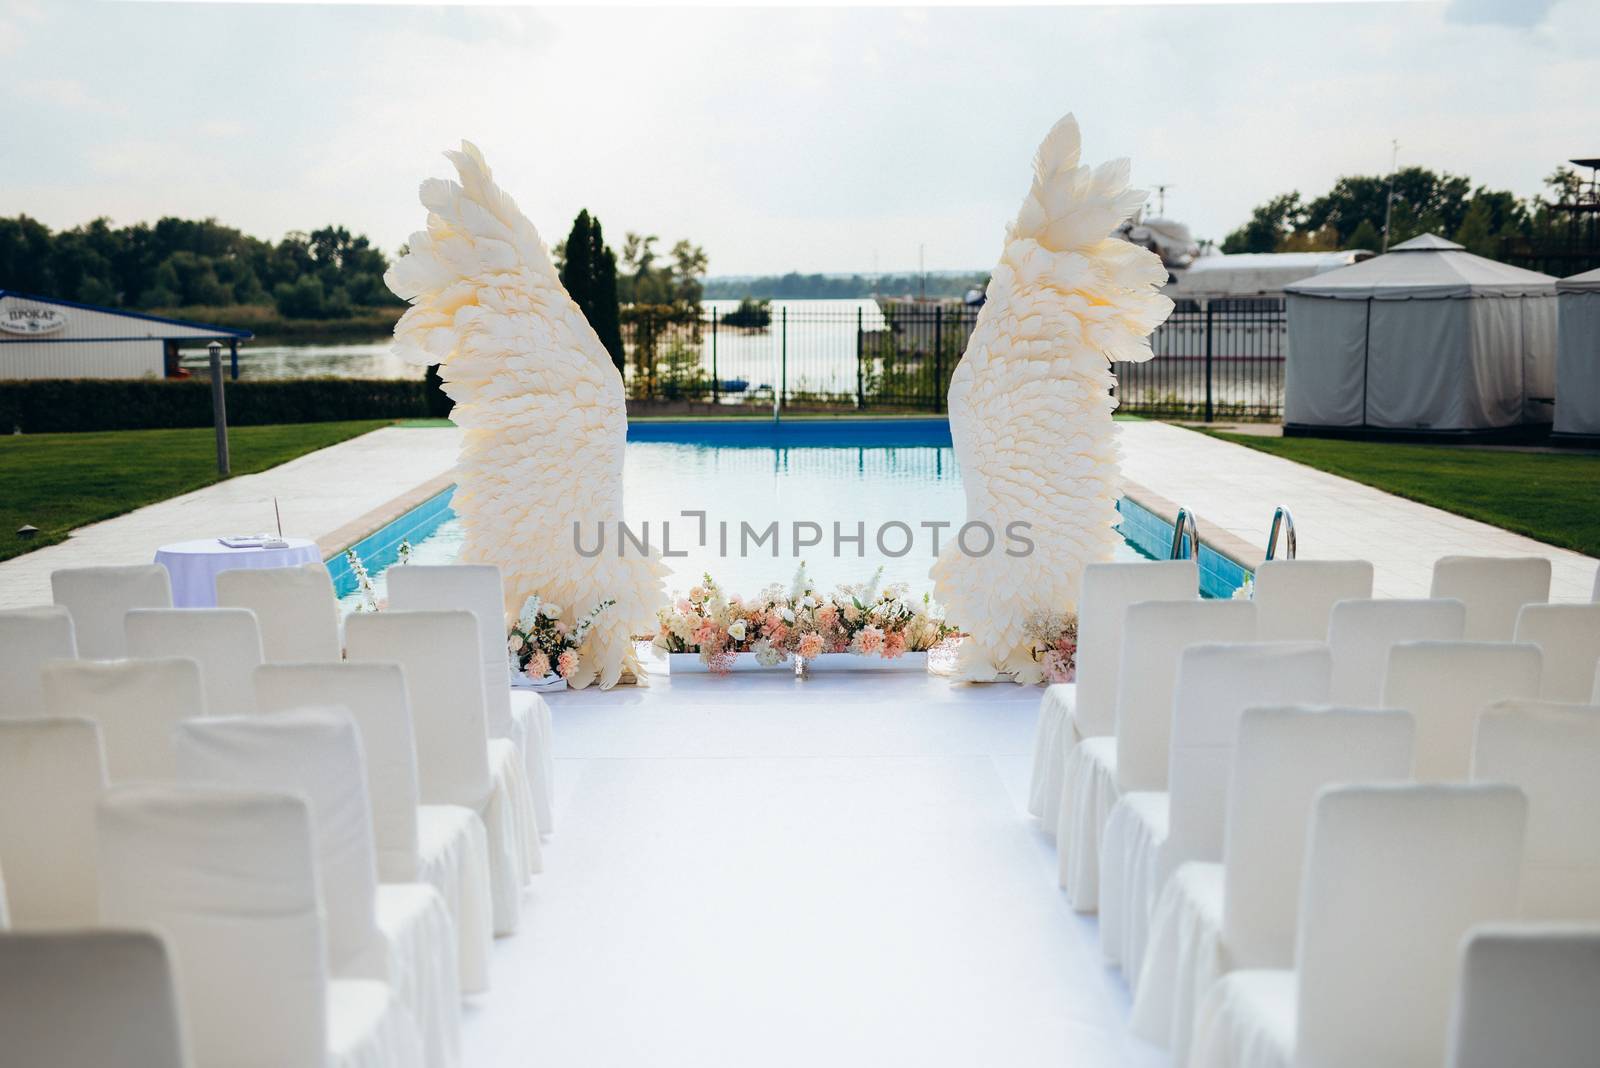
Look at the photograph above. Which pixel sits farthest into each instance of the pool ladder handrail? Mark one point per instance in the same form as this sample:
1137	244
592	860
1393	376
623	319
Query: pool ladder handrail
1281	519
1184	523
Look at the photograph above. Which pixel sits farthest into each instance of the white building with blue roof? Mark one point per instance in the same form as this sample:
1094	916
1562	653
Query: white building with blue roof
45	337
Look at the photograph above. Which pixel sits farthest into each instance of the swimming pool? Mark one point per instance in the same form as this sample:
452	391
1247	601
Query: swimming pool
862	475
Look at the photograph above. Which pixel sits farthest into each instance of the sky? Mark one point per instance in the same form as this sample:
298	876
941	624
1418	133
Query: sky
778	139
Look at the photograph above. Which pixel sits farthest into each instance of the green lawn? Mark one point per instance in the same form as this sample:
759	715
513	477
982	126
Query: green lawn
1554	497
58	482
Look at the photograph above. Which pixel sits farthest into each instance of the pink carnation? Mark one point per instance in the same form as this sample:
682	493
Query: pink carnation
894	645
708	635
810	646
567	663
870	640
538	666
827	616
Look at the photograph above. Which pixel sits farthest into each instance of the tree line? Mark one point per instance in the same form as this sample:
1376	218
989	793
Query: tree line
796	286
1489	222
175	263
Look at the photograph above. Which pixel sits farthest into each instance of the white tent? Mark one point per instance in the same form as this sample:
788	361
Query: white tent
1255	274
1578	358
1426	338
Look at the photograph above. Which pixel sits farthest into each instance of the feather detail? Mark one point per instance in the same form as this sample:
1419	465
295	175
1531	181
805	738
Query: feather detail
541	406
1030	403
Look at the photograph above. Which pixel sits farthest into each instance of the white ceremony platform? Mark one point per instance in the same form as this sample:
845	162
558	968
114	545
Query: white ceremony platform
841	871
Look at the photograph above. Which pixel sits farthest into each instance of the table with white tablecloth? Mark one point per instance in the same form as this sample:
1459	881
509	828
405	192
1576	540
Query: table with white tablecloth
194	565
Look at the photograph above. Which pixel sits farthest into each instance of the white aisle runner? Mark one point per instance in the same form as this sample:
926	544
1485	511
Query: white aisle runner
753	872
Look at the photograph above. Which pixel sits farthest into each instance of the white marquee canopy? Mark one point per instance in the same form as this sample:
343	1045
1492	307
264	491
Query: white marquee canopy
1428	337
1578	358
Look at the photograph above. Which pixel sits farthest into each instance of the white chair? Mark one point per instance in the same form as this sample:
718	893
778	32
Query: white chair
228	877
521	715
1395	876
1569	637
1444	685
77	999
1213	918
1494	589
225	642
135	702
52	774
399	933
457	762
1154	633
1552	752
1151	832
98	597
1087	708
1527	996
444	846
1295	597
1360	634
294	606
28	638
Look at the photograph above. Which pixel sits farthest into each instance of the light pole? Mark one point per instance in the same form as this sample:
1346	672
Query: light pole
219	408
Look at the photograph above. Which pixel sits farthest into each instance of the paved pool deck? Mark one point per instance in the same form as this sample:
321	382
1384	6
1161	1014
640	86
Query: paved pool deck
333	496
1234	490
338	494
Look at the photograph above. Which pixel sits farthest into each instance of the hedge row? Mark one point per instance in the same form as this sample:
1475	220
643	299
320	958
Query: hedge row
38	406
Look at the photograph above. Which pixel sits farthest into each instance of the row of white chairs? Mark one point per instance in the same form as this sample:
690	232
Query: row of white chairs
1184	819
332	826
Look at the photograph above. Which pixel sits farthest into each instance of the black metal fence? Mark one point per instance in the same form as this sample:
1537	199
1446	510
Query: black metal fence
1221	361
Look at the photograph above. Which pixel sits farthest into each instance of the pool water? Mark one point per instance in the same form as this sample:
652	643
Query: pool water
859	474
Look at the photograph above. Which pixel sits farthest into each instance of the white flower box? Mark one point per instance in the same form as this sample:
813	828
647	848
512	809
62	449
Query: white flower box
691	664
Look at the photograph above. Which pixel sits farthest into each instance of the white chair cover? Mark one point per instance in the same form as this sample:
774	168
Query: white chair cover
1527	996
1494	589
135	702
1095	776
28	638
1444	685
1145	842
316	754
52	774
294	606
84	999
1295	597
1395	876
225	642
98	597
1569	637
1086	708
1360	634
1242	913
400	934
1552	752
443	846
477	588
457	763
228	877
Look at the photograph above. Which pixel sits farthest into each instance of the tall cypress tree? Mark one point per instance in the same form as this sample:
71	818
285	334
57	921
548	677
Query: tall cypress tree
590	277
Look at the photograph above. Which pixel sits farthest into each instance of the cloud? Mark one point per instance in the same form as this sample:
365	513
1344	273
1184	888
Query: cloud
1499	12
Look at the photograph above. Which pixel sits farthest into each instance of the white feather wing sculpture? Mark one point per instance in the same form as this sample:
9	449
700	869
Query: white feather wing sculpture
1030	404
542	406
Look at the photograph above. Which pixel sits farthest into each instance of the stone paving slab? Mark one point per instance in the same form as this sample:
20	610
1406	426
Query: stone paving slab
1234	489
320	494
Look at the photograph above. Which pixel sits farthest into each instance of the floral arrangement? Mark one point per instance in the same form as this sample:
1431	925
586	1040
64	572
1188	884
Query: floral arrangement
1054	638
799	622
540	645
364	583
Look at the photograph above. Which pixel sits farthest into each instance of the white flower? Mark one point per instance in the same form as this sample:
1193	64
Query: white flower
736	631
787	614
551	611
514	643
